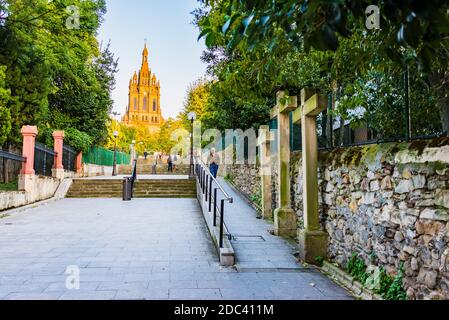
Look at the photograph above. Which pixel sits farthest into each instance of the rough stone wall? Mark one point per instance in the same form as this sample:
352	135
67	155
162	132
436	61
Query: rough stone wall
390	202
245	177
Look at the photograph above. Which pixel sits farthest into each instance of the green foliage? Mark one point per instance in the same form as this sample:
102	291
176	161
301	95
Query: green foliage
250	62
384	281
256	197
229	177
58	77
321	24
5	124
319	260
10	186
356	267
376	278
80	141
5	115
395	290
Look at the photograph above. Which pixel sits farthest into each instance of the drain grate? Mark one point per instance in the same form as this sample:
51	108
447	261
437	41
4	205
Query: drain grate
242	238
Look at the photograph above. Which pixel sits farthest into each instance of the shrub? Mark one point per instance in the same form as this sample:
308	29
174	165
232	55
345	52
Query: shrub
78	140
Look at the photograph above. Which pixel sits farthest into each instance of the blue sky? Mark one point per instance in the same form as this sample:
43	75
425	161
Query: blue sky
174	52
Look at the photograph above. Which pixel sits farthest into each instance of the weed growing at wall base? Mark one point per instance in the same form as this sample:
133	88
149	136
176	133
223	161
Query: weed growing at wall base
389	288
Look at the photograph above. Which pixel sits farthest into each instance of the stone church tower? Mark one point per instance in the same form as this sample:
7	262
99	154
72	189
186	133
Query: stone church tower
144	104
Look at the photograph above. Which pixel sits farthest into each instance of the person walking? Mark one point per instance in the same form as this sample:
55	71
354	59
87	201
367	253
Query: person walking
170	163
213	160
145	154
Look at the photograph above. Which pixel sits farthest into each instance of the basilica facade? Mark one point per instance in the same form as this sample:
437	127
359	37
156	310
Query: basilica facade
144	103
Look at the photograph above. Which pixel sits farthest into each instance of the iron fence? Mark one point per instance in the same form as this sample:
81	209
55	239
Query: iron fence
68	158
10	165
44	159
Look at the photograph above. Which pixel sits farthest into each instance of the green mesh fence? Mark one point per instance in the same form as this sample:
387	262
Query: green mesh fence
104	157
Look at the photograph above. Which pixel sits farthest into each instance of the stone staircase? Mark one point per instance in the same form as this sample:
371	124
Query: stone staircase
146	167
107	188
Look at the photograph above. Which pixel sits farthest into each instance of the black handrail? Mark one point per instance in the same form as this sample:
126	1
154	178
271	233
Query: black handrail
205	181
133	177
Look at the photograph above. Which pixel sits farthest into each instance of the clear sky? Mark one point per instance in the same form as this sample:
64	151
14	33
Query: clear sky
174	52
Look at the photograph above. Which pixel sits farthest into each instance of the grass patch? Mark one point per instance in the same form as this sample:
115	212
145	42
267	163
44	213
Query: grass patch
10	186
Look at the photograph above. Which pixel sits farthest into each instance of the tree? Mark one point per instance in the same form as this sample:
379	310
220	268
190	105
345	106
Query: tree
318	24
5	117
58	75
249	70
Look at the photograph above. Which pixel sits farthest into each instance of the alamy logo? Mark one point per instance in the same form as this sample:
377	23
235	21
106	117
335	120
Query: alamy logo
373	17
72	281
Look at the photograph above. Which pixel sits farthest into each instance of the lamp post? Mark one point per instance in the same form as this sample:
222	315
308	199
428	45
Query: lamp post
114	166
133	151
191	116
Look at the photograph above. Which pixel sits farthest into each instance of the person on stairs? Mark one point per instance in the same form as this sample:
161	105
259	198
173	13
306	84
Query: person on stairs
213	160
170	163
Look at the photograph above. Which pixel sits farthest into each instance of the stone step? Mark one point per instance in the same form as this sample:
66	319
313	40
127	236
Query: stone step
106	188
136	191
135	196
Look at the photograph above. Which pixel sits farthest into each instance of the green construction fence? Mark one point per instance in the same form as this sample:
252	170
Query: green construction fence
104	157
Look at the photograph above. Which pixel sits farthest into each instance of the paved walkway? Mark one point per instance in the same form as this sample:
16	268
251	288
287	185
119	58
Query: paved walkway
142	249
254	246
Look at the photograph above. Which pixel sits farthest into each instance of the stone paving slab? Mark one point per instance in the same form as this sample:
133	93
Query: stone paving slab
142	249
254	245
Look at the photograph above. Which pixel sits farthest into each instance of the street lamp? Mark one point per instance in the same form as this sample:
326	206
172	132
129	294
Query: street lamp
114	166
191	116
133	151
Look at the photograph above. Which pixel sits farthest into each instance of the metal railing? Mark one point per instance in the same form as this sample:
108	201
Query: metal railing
68	158
44	159
9	171
133	177
209	187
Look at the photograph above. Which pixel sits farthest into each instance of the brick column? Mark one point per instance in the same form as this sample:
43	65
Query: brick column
58	168
27	174
79	162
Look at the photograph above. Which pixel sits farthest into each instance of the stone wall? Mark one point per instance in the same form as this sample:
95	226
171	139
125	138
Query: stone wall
92	170
389	203
43	188
245	178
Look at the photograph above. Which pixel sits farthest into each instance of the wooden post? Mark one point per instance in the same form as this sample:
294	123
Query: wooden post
285	219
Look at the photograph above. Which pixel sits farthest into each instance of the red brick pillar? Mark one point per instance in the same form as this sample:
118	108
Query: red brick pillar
58	168
79	162
27	174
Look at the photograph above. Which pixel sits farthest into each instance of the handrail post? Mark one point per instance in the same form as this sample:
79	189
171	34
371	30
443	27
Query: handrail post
221	222
215	207
210	194
205	189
